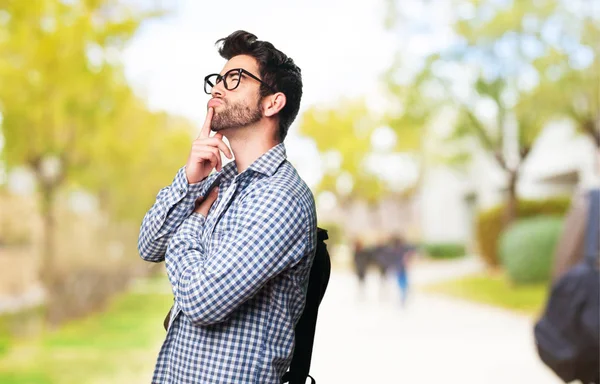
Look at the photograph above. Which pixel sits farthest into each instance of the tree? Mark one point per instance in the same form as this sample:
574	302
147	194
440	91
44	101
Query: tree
414	105
135	155
61	82
343	132
532	62
569	73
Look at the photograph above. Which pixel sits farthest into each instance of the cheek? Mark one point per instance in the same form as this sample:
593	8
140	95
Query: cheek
248	95
234	99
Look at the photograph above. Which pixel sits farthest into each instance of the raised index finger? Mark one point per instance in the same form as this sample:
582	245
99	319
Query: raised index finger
205	131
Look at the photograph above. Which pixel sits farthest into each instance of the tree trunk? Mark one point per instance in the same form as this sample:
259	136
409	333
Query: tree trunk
511	211
48	263
591	128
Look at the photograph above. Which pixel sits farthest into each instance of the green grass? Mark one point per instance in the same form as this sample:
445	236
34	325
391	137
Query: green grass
495	290
20	323
119	345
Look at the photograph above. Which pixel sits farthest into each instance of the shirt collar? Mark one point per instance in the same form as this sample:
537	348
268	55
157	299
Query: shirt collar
266	164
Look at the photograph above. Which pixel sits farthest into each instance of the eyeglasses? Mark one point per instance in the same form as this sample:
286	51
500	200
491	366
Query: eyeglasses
231	80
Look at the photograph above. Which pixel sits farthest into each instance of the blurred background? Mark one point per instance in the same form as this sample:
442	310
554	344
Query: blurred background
467	128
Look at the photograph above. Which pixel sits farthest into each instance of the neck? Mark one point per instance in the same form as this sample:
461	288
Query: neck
249	143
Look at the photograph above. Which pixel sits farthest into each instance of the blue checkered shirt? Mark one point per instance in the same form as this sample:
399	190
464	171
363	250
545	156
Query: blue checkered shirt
239	276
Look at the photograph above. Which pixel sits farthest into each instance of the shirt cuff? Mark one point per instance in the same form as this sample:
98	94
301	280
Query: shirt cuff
196	219
180	189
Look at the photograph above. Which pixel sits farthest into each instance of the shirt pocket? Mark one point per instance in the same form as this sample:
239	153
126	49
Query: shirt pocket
215	241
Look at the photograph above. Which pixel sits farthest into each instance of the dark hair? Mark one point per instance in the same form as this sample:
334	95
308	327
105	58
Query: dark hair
276	69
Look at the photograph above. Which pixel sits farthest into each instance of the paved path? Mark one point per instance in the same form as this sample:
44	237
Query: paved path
371	339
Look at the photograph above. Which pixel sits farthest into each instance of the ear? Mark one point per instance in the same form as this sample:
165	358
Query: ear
272	104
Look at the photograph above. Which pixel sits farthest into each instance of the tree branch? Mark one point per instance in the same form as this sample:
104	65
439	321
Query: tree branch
478	128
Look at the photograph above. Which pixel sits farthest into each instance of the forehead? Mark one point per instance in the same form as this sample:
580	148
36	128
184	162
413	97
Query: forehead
242	61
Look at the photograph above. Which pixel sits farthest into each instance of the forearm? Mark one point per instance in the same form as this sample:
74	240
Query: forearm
209	287
173	205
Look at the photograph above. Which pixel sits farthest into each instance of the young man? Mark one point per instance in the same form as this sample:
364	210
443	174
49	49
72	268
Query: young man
238	259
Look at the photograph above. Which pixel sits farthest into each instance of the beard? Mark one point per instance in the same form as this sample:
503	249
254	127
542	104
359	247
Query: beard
235	115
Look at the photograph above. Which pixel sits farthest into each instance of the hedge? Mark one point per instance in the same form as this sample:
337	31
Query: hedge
489	223
444	250
527	249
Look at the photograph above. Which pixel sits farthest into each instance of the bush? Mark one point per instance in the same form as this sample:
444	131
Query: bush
527	249
444	250
490	222
79	290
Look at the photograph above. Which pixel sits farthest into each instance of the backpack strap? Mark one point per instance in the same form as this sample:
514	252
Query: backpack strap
592	233
305	329
286	379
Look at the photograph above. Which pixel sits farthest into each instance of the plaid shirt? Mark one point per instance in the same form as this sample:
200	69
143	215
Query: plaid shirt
239	276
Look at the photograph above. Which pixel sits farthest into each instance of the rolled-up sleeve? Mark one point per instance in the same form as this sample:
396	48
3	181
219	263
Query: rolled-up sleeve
272	234
173	205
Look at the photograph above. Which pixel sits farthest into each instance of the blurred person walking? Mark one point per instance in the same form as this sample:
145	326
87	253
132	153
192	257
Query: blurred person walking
401	255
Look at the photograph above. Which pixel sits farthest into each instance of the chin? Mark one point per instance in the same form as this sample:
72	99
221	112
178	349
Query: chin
220	128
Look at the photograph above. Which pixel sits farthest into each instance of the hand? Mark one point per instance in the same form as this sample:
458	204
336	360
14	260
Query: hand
205	154
203	204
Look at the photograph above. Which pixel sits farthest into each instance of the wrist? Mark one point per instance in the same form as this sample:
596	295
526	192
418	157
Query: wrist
191	179
188	176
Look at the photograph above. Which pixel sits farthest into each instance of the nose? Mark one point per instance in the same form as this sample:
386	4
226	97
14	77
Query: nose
218	90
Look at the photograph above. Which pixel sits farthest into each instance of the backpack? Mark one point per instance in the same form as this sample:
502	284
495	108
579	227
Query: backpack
567	335
305	328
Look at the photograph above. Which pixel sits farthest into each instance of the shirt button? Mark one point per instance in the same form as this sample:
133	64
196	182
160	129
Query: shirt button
181	190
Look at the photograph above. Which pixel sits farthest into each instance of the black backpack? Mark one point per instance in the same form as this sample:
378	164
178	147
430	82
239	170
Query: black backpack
567	335
305	329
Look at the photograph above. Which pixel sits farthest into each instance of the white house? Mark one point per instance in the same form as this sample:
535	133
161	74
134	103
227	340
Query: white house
560	162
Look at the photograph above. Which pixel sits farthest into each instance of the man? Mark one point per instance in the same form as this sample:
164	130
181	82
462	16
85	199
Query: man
239	260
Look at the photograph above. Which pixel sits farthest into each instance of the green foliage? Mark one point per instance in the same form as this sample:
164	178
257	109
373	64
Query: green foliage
413	106
444	250
64	97
344	130
139	155
527	249
567	68
54	98
489	223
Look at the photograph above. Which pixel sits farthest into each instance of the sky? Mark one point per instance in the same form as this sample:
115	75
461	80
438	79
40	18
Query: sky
341	47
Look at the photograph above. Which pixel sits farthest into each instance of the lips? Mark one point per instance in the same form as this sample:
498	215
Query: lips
214	102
